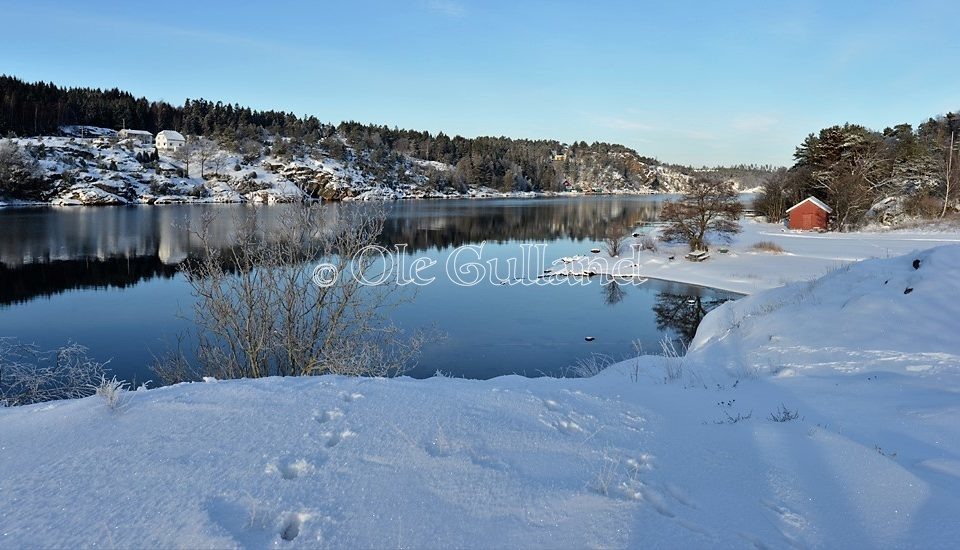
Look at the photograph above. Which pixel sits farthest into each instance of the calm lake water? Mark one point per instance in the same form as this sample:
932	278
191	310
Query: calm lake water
109	279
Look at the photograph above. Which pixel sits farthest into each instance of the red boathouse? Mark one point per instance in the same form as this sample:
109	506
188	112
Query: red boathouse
810	213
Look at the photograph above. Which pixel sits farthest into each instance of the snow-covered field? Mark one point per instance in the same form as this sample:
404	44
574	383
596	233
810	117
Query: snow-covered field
806	255
677	452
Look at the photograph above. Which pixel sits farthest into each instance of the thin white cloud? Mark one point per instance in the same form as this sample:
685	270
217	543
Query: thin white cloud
449	8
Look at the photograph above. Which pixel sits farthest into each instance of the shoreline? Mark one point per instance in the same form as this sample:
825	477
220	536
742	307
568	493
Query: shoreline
16	203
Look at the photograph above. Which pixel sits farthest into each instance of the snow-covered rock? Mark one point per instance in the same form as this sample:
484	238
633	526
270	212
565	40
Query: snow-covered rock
87	196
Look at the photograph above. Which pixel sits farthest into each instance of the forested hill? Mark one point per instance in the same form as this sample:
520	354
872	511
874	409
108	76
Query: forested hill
376	157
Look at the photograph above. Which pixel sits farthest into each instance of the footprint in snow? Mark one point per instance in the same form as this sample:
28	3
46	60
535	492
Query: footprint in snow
678	495
329	416
351	397
292	524
290	468
551	405
568	426
656	500
336	438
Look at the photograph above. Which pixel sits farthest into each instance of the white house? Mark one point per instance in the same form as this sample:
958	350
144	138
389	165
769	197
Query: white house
140	137
169	141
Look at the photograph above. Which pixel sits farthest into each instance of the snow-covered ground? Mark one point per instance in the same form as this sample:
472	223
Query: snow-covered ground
806	255
678	452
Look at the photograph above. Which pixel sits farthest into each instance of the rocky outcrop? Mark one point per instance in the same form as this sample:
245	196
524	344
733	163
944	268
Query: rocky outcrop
88	196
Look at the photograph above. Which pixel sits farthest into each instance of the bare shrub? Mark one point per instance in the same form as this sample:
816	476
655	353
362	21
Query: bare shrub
783	414
172	366
613	240
923	205
31	375
259	311
729	418
648	242
768	246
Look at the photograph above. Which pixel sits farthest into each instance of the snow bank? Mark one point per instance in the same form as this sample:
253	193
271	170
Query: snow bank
900	311
864	376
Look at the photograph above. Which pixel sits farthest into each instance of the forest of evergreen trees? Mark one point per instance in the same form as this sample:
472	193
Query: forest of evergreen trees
40	108
852	168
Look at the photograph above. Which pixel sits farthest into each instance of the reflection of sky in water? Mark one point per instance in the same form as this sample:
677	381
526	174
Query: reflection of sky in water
62	273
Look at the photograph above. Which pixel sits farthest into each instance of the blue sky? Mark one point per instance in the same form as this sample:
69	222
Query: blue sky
690	82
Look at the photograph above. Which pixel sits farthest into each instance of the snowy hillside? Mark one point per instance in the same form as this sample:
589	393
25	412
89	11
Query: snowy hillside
93	166
819	414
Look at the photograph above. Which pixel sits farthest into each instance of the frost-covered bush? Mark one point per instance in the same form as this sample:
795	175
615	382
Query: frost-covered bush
114	393
585	367
31	375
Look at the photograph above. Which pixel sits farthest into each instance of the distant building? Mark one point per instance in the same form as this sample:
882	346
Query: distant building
810	213
169	141
140	137
560	157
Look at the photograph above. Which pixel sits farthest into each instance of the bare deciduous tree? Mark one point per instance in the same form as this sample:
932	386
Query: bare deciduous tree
775	196
203	150
183	155
950	174
709	205
259	311
613	240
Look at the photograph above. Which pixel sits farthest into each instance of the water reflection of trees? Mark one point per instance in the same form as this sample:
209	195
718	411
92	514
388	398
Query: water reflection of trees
425	226
26	282
49	251
614	291
682	313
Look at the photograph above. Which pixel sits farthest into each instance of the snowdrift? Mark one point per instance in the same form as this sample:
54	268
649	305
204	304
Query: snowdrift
898	314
